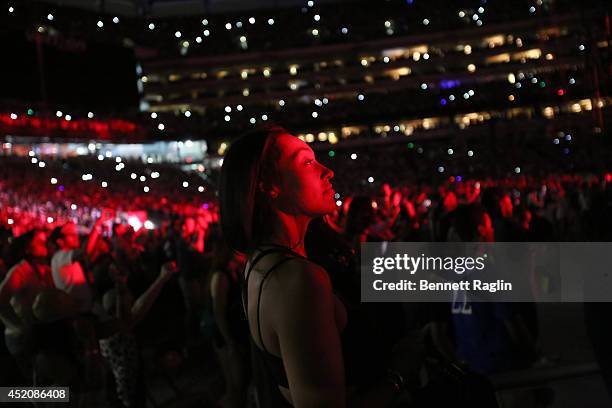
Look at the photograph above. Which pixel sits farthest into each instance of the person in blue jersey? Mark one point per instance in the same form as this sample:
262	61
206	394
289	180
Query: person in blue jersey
489	336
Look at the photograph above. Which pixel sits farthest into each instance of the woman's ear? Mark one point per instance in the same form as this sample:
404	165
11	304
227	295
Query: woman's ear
272	191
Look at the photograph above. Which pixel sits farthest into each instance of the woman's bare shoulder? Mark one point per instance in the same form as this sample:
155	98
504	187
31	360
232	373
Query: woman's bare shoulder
307	277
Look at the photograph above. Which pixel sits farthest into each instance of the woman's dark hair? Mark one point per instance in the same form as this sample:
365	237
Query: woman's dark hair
245	211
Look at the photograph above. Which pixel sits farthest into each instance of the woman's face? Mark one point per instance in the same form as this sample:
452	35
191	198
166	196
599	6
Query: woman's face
304	186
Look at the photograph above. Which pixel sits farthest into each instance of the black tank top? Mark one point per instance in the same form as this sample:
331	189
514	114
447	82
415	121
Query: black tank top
361	364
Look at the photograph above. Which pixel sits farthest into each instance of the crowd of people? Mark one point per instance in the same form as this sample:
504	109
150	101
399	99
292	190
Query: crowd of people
84	291
64	193
117	271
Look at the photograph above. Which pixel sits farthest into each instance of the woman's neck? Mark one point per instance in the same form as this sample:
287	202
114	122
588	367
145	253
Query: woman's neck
289	231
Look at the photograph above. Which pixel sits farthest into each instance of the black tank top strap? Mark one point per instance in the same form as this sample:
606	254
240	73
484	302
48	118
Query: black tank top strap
245	278
259	257
268	273
274	249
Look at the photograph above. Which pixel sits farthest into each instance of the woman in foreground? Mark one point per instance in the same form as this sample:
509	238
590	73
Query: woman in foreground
271	188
